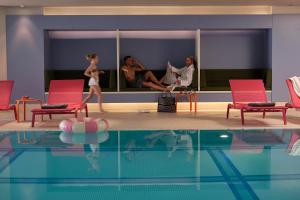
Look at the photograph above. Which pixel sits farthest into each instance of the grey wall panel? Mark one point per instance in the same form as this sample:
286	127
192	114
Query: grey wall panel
285	50
70	53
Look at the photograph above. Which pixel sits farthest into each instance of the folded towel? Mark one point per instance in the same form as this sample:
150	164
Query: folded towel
55	106
296	84
266	104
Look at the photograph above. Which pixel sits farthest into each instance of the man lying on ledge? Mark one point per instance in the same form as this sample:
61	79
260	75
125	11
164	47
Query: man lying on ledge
137	76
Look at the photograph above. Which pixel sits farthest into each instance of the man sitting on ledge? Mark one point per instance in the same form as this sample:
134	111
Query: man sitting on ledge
179	77
137	76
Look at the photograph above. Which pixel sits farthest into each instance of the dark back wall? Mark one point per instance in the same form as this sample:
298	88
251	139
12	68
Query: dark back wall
69	54
220	49
155	53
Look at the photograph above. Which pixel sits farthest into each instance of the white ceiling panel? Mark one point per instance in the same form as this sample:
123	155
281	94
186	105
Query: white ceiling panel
144	2
81	34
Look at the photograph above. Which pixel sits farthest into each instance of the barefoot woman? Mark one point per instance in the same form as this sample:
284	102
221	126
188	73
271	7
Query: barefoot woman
93	73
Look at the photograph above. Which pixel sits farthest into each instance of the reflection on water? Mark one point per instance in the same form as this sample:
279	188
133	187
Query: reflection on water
138	146
170	139
92	140
24	139
294	144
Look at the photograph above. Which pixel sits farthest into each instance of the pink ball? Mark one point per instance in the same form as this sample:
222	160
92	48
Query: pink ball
66	126
91	126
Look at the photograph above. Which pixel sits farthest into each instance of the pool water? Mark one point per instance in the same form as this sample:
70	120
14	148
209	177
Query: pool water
131	165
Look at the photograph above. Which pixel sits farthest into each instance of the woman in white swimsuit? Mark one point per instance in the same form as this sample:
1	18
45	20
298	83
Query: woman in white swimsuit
93	73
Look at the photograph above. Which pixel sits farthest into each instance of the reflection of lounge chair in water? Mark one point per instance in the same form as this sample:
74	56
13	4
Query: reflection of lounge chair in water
173	142
294	145
251	141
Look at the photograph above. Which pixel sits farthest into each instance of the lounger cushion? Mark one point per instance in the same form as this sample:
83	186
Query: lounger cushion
54	106
266	104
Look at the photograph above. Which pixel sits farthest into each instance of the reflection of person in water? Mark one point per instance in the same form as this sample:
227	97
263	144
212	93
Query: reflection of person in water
130	153
91	143
173	142
93	158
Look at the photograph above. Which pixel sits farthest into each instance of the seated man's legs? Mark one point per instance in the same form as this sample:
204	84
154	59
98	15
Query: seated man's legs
150	76
154	86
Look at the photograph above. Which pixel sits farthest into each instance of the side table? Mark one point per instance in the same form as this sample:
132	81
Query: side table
24	101
192	98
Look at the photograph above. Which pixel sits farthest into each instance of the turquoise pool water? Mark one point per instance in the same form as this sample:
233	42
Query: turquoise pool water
131	165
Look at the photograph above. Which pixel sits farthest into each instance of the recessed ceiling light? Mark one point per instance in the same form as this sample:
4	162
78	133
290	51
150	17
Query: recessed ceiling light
22	5
224	136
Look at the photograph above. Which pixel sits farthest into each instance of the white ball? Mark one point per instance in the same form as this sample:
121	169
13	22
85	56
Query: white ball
102	125
78	127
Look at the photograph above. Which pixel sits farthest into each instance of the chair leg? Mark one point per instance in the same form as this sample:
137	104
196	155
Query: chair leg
15	112
86	111
50	116
284	117
242	117
228	109
191	104
33	120
195	102
176	101
264	114
76	114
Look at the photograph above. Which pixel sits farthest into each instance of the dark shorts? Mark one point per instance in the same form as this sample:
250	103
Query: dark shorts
139	79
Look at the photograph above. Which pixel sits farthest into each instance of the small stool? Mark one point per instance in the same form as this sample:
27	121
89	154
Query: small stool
24	101
192	97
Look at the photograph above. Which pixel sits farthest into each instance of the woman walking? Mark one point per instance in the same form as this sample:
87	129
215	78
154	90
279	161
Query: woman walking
94	73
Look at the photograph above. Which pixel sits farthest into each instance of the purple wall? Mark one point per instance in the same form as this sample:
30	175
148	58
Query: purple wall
234	49
25	56
70	53
286	53
25	43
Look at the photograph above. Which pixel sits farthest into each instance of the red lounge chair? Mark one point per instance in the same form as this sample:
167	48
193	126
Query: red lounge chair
5	95
249	91
295	99
63	92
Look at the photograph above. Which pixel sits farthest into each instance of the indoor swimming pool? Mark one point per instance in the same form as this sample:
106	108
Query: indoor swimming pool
148	164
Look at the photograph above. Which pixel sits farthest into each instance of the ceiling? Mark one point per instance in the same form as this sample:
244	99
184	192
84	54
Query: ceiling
144	2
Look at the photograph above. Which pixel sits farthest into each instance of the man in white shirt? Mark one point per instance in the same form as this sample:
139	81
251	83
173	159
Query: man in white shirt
182	77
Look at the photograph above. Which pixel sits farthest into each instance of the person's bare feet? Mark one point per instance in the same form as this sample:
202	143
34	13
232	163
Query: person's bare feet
166	90
101	111
82	107
171	88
